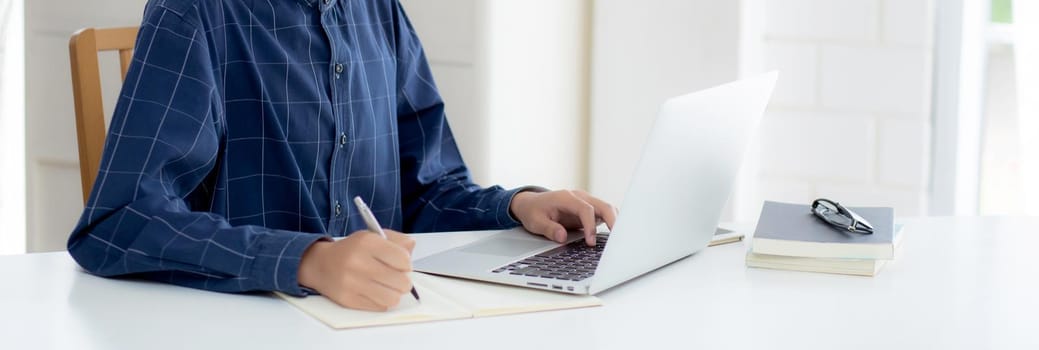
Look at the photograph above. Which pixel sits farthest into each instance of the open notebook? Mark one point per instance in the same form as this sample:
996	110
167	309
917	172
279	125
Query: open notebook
443	298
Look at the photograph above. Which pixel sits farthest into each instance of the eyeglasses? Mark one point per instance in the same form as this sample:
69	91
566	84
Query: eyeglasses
835	214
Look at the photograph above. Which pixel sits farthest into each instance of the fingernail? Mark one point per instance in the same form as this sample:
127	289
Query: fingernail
560	235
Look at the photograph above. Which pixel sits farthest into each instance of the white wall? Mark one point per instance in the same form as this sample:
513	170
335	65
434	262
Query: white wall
12	127
850	119
513	75
536	91
54	197
1026	54
529	105
642	53
448	30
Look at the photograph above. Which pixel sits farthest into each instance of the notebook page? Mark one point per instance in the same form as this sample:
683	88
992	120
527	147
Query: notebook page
434	307
490	299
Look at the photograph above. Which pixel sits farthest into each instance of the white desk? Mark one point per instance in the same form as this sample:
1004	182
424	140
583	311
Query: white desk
963	283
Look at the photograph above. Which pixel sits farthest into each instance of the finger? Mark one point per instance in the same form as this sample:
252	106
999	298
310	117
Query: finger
585	212
375	303
389	253
381	295
359	302
401	239
389	277
548	228
602	209
352	299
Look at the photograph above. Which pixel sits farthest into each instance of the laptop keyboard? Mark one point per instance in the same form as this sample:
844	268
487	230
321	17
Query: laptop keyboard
575	261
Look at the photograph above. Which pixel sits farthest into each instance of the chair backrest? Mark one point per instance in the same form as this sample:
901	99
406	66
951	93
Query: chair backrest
84	47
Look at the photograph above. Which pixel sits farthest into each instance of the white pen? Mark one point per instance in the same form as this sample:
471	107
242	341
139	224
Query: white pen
373	225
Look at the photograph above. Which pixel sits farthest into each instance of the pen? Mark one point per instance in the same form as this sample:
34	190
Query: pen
373	225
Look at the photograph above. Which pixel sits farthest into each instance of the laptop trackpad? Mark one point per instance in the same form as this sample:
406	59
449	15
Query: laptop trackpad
505	246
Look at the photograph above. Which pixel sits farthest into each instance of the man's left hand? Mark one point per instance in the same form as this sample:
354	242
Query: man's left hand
550	214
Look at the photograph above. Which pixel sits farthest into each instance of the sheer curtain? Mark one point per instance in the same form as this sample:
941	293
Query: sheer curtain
1026	51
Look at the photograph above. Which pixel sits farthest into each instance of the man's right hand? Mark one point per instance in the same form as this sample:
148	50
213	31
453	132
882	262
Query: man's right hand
362	271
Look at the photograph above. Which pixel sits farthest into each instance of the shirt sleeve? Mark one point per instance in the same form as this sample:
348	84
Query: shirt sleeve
438	193
163	143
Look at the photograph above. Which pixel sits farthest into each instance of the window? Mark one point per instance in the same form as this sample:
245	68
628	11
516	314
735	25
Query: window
1001	157
1001	11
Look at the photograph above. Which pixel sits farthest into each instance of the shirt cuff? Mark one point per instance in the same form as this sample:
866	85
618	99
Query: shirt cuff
277	256
504	216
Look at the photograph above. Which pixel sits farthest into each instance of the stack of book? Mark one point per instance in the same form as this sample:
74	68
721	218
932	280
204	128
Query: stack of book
790	237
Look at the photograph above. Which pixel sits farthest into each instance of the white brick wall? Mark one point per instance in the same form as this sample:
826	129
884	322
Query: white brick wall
819	146
850	117
904	153
908	22
822	19
798	62
907	202
876	79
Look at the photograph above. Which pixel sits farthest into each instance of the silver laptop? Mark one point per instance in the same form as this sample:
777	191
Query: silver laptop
671	209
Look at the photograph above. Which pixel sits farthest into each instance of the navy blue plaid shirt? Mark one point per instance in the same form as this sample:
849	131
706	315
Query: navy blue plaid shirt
244	128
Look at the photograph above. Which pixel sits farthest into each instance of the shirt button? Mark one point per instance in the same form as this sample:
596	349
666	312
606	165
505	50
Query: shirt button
342	139
339	208
339	67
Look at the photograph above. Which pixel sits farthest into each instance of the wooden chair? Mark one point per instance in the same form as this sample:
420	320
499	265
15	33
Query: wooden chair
86	90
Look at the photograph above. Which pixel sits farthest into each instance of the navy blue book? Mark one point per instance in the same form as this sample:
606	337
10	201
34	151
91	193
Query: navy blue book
792	230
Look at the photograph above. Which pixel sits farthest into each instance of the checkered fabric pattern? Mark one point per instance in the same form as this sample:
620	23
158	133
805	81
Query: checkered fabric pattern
243	130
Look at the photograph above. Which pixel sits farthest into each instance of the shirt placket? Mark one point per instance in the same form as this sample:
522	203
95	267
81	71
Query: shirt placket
338	203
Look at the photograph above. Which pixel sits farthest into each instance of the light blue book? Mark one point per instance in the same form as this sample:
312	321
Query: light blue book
792	230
